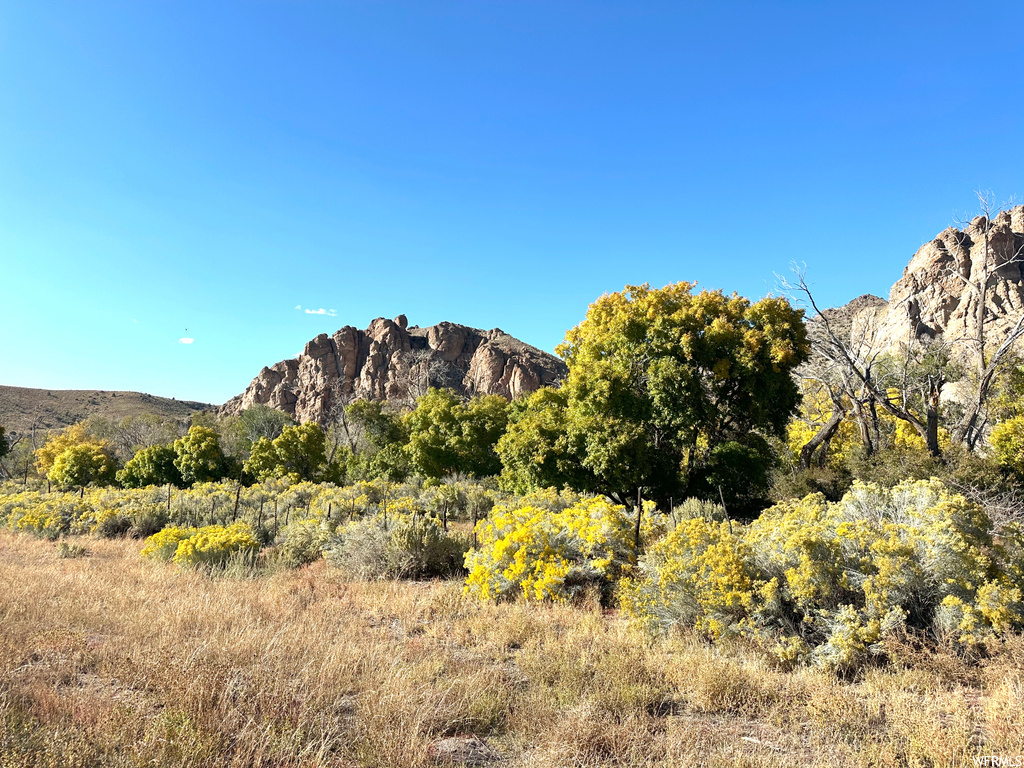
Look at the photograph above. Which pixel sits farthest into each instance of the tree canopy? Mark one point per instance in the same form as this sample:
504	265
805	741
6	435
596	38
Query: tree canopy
299	452
73	457
150	466
199	457
448	436
668	391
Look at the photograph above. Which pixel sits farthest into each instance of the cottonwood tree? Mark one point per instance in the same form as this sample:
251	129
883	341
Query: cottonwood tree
299	452
447	436
199	457
669	392
151	466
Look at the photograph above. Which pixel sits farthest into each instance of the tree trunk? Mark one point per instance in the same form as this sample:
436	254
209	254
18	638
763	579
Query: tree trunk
932	425
820	438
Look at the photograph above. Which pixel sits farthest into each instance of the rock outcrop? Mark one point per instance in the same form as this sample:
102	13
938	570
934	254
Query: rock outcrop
935	296
390	360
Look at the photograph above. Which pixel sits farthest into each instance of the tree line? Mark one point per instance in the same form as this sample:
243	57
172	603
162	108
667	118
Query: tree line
671	394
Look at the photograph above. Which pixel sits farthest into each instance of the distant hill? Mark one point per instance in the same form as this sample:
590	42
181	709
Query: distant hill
21	407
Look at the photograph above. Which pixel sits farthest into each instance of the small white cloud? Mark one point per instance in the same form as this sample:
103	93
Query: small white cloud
185	340
135	321
321	311
298	306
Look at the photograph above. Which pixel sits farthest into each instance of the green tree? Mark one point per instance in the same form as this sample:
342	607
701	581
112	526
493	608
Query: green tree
434	433
484	420
198	456
391	463
448	436
668	391
151	466
75	457
298	452
534	451
374	426
82	464
5	445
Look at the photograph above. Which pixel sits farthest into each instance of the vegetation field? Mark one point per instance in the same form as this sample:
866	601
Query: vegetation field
690	553
110	659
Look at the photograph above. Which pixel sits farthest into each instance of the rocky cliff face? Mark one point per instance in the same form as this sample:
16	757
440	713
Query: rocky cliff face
935	298
390	360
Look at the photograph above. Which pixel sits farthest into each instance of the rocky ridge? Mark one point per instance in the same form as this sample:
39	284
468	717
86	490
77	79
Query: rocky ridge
390	360
934	297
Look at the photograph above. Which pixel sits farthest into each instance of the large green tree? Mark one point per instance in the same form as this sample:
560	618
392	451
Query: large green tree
199	457
447	436
670	392
299	452
82	464
150	466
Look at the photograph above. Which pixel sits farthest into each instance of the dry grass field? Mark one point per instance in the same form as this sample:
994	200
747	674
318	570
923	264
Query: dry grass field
109	660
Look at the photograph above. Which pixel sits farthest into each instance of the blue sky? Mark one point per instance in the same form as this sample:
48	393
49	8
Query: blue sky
198	170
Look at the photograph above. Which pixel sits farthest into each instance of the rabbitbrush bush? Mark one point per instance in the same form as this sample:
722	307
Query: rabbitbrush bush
48	516
550	552
211	545
826	583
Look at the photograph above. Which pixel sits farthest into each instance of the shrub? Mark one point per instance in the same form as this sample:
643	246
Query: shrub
48	516
420	548
163	545
415	546
67	551
111	523
550	554
1008	445
359	550
147	519
211	546
303	543
827	583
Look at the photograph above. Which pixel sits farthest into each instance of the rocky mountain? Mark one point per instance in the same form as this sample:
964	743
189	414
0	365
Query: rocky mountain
938	293
394	361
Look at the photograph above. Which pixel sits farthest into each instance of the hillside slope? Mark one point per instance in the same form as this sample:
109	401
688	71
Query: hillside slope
22	407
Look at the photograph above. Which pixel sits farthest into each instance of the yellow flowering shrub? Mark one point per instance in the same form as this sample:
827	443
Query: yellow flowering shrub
163	544
698	575
211	545
1008	445
825	583
48	516
550	554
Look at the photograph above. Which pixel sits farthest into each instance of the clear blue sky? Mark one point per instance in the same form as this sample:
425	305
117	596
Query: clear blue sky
211	166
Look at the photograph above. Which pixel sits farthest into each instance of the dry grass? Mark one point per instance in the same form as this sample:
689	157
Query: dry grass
107	660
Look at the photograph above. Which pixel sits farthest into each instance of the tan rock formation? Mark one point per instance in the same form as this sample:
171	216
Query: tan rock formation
390	360
935	295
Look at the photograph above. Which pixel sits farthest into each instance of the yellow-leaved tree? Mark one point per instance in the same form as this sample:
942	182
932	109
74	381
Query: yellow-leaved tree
669	391
73	457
